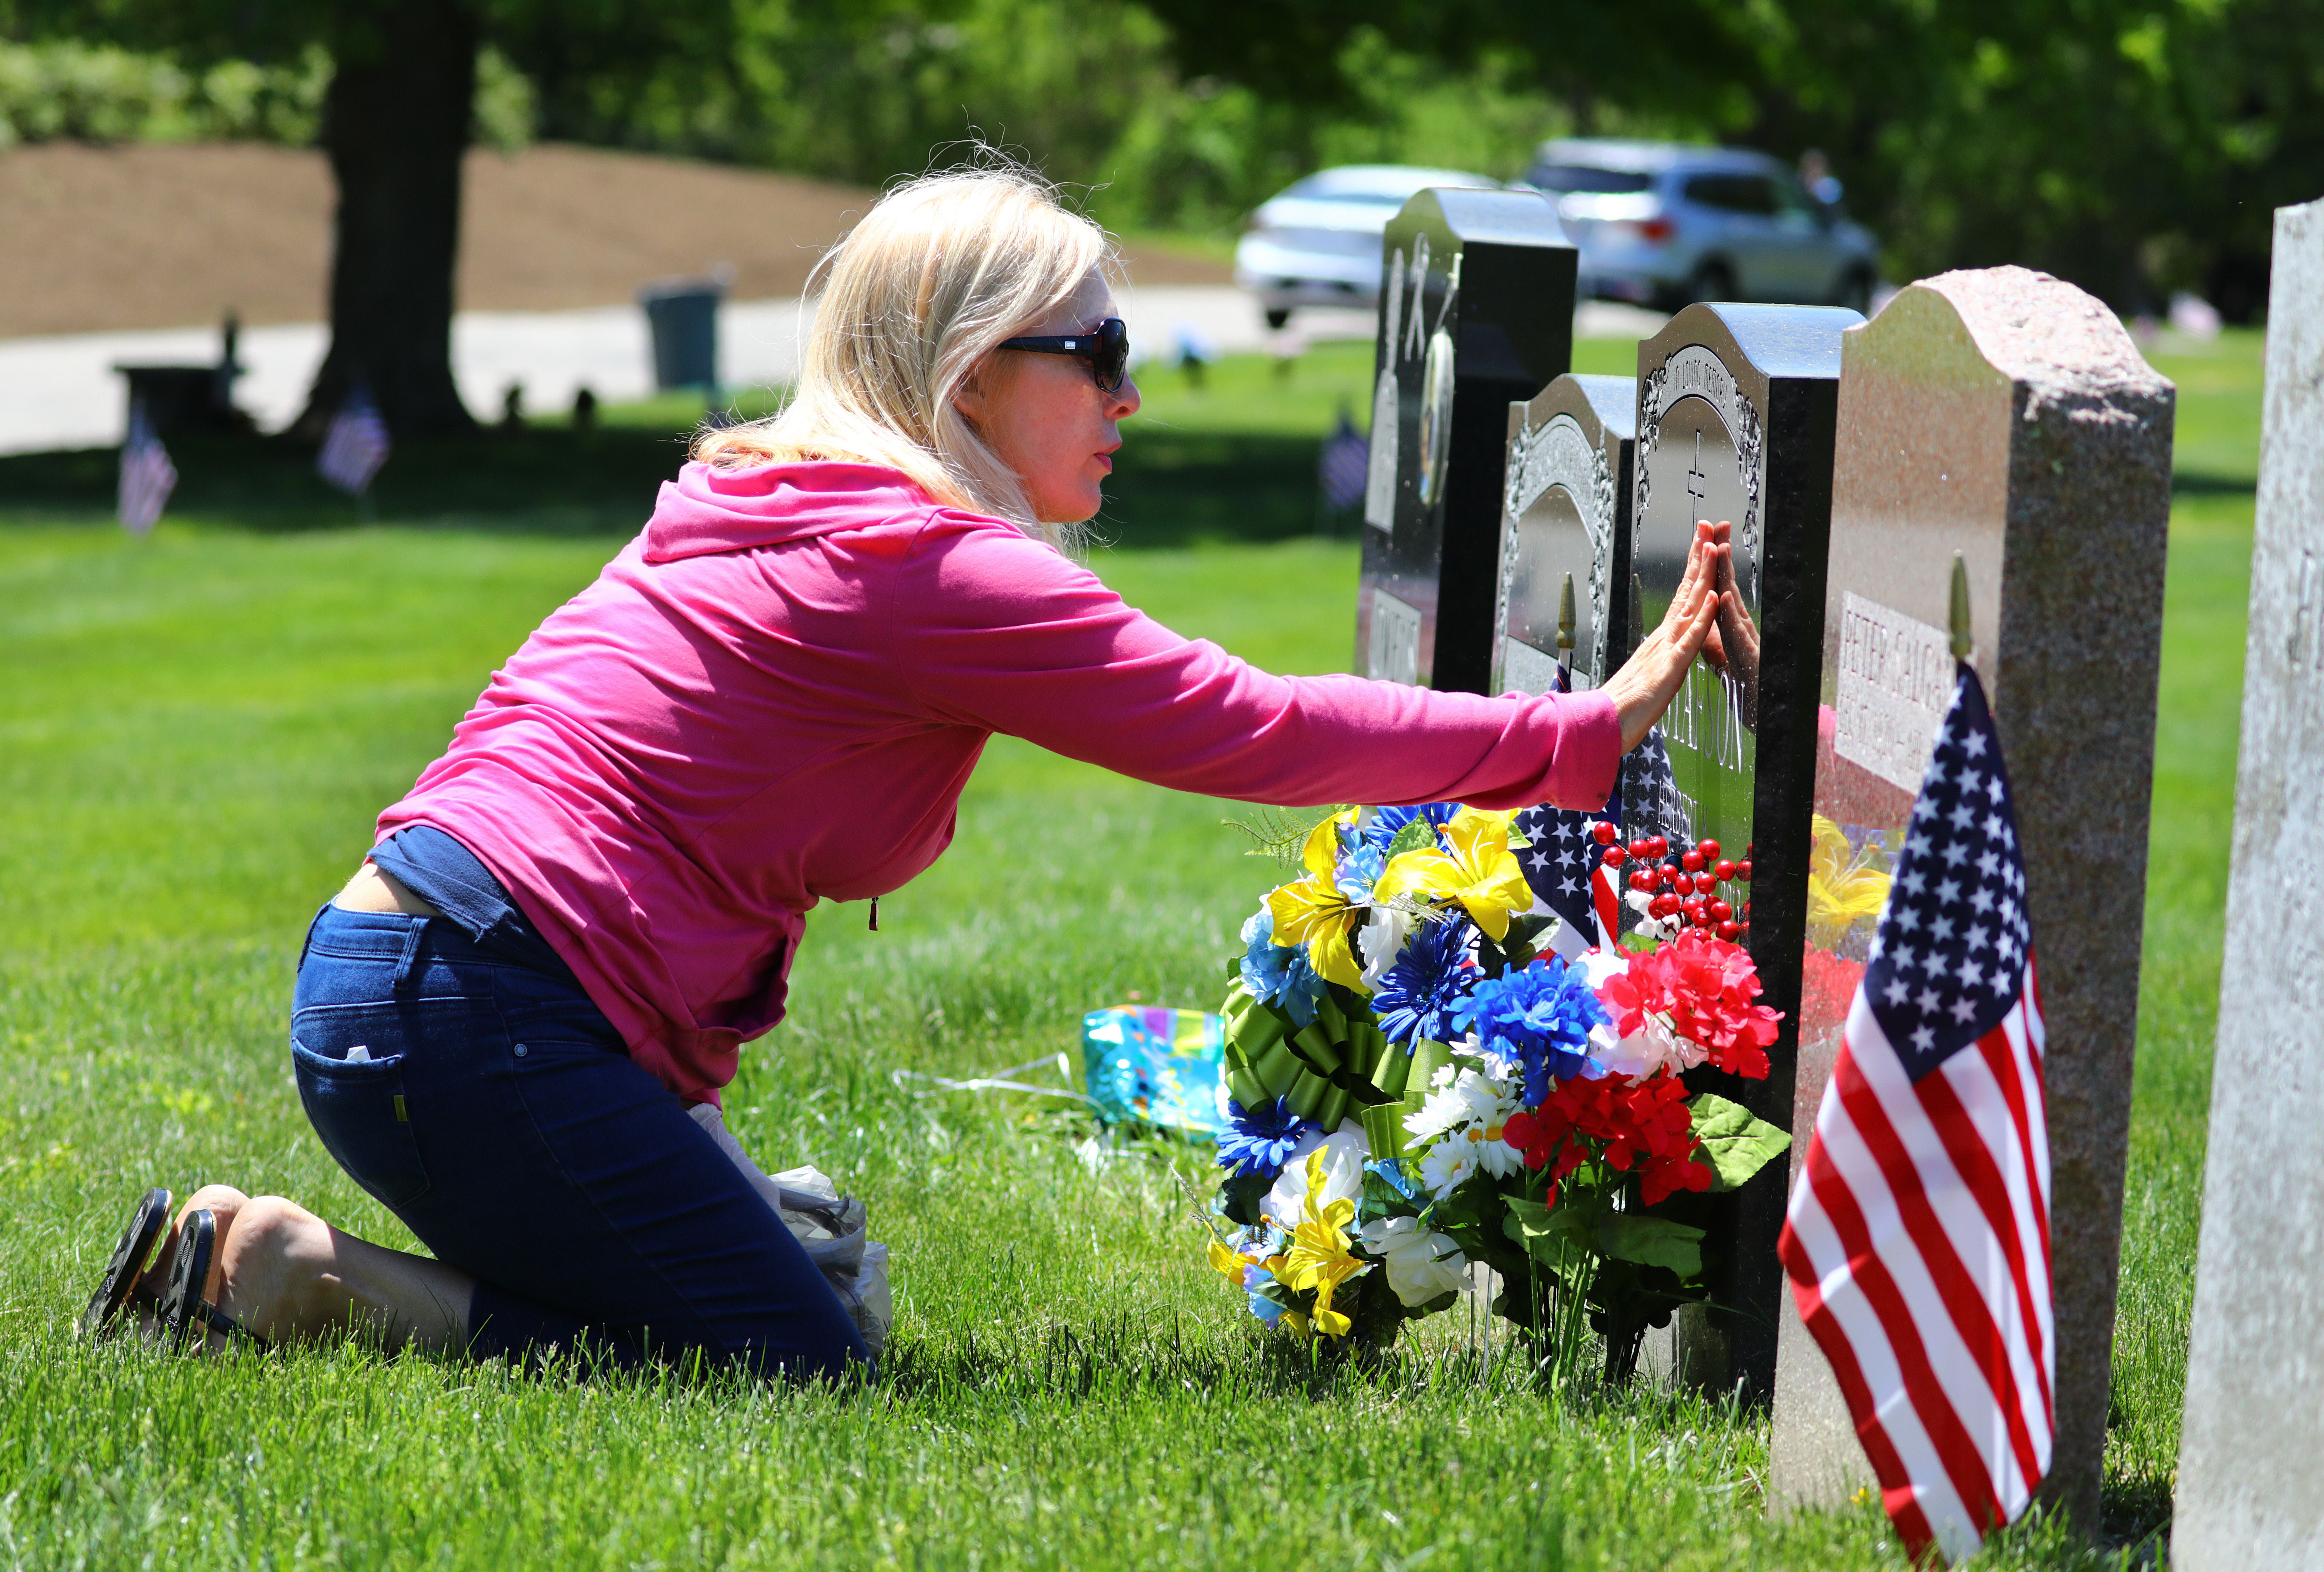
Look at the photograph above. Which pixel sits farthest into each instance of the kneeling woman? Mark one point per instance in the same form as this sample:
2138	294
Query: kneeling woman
507	1024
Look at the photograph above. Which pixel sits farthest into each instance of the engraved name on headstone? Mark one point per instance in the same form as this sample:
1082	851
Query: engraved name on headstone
1476	311
2251	1446
1565	536
1735	424
2004	416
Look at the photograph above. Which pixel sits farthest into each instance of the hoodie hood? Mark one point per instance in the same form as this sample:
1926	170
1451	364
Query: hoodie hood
707	509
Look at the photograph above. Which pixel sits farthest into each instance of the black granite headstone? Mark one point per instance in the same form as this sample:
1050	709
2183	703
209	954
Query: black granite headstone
1476	312
1565	536
1735	423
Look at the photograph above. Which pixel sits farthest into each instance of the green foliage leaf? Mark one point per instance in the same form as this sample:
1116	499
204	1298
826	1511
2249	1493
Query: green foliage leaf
1278	833
1548	1233
1419	836
1242	1195
1737	1142
1651	1242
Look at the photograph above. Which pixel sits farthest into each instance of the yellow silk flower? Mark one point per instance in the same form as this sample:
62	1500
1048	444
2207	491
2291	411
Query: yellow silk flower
1479	871
1314	913
1319	1257
1228	1263
1321	855
1843	887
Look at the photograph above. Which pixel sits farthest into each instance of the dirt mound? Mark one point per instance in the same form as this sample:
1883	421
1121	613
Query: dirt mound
97	238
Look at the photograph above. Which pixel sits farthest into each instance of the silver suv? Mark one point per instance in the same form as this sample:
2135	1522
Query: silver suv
1664	223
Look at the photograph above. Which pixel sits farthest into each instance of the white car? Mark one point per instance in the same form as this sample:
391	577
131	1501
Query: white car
1317	243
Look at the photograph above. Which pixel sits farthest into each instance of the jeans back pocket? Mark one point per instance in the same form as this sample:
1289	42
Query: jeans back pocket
357	1104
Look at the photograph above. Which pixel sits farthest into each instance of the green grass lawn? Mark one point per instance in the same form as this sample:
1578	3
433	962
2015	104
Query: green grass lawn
197	733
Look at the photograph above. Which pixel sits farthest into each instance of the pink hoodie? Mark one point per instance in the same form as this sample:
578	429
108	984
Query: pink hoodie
775	694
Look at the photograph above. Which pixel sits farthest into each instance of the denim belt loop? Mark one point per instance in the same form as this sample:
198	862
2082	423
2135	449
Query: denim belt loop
410	953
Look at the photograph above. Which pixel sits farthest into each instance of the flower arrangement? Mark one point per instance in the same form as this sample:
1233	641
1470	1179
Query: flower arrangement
1424	1071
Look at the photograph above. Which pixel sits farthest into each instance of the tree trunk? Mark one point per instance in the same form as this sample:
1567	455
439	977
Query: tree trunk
396	124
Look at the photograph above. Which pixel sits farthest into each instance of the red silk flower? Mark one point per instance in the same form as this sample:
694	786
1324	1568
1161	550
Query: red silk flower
1706	986
1643	1124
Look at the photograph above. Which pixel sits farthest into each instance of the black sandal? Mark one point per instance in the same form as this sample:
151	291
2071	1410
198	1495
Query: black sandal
183	1305
147	1223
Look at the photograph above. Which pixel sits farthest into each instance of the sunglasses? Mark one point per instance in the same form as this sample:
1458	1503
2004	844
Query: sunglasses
1106	348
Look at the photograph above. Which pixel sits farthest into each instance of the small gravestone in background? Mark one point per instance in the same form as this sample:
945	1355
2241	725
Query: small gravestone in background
2004	416
2251	1454
1476	312
1564	599
1735	423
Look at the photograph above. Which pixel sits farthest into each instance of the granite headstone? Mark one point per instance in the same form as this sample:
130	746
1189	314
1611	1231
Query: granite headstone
1562	607
1476	311
2004	416
2251	1448
1735	424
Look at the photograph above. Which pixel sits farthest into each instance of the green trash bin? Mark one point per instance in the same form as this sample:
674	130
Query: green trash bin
682	315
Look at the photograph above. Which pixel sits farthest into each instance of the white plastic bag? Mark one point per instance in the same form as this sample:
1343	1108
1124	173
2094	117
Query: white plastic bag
830	1225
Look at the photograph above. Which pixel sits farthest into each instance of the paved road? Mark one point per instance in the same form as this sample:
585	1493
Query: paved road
62	392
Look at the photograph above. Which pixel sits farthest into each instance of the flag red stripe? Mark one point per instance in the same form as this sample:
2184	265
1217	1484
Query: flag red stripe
1981	1177
1962	1463
1920	1477
2006	1073
1964	1305
1898	1496
1601	899
2029	1108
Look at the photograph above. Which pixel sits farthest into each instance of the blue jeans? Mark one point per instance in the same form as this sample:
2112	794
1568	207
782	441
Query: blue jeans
495	1109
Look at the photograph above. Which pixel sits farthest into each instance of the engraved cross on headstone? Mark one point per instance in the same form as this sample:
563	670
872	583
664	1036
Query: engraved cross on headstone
1696	478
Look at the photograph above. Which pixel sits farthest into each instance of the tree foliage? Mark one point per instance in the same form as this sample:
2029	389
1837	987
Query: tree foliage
2136	146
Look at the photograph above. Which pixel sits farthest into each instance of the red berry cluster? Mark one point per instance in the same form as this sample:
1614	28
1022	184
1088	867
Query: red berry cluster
1686	887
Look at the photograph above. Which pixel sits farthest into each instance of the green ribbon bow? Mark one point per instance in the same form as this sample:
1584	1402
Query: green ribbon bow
1338	1065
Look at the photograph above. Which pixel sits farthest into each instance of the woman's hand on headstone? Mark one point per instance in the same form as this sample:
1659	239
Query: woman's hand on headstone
1649	680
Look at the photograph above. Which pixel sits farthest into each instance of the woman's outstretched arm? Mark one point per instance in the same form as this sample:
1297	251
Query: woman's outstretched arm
997	630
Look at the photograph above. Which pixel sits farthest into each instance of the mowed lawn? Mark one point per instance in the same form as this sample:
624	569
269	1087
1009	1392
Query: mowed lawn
195	736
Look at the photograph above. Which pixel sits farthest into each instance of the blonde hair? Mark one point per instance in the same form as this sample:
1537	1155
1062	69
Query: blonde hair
910	305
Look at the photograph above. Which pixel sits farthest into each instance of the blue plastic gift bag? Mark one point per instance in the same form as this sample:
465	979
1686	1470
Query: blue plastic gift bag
1157	1067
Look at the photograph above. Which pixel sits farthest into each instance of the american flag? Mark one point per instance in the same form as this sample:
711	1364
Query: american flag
1567	869
355	446
147	475
1918	1236
1650	795
1343	467
1564	867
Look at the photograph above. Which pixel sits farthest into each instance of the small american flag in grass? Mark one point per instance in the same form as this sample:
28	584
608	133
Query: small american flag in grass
355	446
147	475
1918	1236
1342	467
